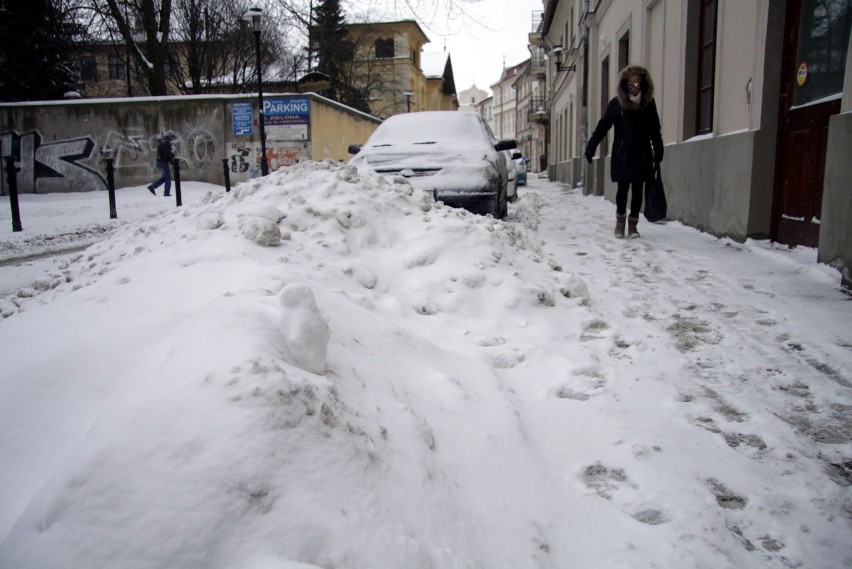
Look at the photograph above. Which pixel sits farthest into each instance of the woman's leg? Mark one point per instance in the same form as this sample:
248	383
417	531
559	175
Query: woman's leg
621	198
636	198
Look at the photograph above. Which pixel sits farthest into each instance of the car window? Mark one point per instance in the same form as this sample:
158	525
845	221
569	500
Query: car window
430	128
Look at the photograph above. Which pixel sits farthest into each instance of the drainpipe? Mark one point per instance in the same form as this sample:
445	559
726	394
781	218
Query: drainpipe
584	108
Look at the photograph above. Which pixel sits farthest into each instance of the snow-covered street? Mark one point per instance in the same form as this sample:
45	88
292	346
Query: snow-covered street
324	369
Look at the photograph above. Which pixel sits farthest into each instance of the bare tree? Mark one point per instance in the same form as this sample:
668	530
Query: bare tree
145	28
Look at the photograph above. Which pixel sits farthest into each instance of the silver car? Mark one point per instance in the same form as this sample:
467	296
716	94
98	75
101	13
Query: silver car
451	154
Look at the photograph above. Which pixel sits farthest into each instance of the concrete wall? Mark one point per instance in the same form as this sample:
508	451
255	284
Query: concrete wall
334	127
60	144
835	234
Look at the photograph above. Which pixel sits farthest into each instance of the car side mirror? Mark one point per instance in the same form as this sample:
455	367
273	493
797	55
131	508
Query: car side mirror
506	145
355	148
516	155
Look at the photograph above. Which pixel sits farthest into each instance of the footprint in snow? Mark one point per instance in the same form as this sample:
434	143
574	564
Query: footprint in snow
613	484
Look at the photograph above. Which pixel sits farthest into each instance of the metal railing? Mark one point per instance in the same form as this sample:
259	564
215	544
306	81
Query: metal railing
537	19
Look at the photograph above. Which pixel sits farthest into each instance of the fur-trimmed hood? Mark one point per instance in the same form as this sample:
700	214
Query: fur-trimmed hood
647	87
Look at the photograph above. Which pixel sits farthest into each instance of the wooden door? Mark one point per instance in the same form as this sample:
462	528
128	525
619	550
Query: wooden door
816	34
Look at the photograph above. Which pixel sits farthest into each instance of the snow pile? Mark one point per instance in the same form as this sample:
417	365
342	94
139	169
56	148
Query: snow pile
296	393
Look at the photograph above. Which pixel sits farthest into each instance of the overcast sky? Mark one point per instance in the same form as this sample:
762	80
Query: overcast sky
494	32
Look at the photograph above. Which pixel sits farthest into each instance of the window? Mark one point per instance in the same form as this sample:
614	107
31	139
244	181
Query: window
821	57
384	48
624	50
172	66
88	68
116	67
571	26
706	66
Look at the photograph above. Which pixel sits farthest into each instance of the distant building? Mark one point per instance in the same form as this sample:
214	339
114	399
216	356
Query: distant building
485	108
469	99
505	105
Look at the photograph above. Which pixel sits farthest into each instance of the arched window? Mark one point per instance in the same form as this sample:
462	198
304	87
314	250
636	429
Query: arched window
384	48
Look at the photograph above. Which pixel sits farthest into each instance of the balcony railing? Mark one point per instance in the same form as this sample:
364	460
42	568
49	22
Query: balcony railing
538	110
538	62
537	19
535	33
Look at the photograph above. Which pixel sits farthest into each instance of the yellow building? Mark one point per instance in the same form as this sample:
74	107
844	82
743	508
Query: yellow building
399	77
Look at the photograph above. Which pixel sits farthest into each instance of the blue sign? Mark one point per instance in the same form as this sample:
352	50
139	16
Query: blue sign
241	116
296	110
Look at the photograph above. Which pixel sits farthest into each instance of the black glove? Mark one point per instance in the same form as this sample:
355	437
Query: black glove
589	157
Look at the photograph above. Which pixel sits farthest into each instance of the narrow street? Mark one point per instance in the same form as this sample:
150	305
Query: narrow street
676	400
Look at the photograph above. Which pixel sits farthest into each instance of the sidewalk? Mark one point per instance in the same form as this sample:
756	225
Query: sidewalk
57	226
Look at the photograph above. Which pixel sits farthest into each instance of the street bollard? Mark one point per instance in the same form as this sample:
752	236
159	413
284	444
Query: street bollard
176	165
227	174
12	178
110	172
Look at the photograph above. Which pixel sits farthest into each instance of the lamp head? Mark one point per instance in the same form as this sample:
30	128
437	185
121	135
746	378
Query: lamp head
557	52
255	16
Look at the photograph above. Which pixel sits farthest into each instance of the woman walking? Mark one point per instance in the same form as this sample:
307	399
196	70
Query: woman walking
638	145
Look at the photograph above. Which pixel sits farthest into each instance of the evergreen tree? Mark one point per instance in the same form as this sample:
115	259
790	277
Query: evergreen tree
336	53
333	48
36	39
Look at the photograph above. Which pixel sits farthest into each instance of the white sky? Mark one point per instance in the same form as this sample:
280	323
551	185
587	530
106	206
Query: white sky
494	31
325	369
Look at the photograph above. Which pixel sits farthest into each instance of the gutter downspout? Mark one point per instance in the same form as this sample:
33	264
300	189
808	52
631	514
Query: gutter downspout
584	109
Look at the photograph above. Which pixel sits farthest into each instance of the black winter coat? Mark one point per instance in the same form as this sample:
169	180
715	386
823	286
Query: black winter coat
638	143
165	152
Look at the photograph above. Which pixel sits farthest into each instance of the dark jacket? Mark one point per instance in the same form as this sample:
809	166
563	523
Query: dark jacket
165	153
638	143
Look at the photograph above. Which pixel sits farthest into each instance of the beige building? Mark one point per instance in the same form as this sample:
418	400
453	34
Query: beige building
755	100
390	62
505	101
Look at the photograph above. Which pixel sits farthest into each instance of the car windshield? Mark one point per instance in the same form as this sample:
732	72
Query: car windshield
427	128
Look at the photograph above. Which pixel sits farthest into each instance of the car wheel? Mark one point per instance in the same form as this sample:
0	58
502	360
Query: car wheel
504	205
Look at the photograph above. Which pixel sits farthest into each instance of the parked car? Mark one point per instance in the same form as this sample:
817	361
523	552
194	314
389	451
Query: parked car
520	169
511	168
452	154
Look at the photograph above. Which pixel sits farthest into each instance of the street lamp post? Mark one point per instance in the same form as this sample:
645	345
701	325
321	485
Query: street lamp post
255	16
408	95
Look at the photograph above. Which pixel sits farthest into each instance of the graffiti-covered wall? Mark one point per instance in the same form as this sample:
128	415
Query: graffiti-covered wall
60	146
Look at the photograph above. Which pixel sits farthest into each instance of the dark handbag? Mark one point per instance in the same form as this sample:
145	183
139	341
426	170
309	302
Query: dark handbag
655	198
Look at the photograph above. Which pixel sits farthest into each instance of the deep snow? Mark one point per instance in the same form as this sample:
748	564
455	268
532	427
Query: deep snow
325	368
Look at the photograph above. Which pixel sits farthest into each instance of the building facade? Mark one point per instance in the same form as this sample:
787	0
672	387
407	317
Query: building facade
505	101
755	101
389	63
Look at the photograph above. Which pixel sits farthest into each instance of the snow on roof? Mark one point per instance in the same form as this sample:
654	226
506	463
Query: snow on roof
434	63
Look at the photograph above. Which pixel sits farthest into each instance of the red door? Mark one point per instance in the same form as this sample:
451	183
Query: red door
813	64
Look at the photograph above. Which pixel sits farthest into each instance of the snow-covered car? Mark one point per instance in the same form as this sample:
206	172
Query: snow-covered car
511	169
451	154
520	169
